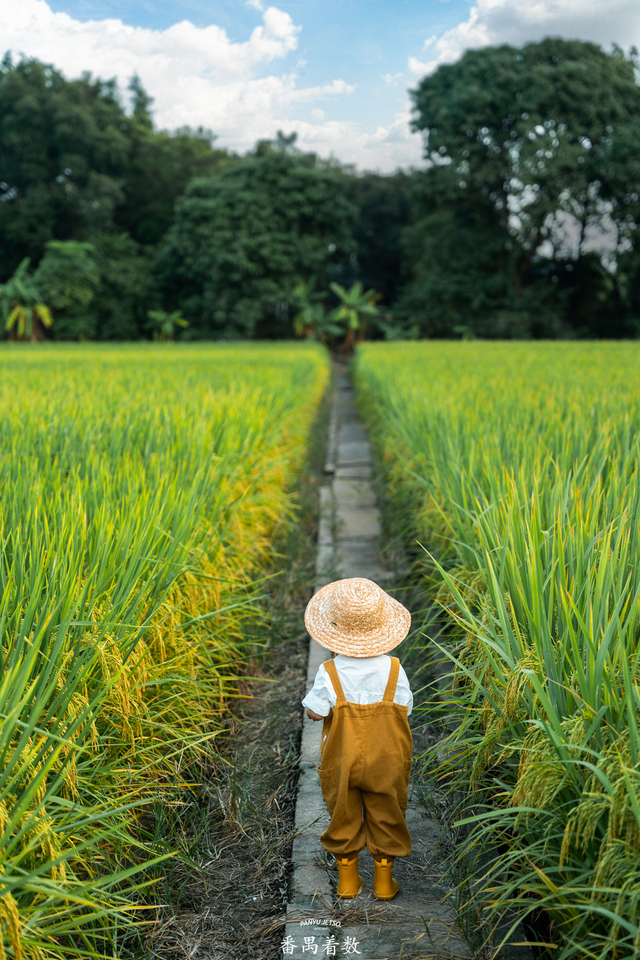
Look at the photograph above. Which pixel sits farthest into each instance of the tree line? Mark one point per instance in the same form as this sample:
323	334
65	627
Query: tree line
522	221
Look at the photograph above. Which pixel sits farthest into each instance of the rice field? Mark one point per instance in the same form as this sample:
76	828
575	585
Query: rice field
516	467
140	488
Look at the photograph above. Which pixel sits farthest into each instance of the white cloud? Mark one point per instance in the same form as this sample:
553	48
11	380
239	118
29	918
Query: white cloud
317	93
520	21
110	47
392	79
199	76
386	149
318	114
419	68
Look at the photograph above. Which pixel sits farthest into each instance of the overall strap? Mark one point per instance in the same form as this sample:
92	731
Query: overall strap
390	690
330	667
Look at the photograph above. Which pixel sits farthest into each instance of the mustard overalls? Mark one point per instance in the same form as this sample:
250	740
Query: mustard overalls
364	772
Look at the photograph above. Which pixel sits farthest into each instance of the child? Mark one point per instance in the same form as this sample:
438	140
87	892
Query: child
364	698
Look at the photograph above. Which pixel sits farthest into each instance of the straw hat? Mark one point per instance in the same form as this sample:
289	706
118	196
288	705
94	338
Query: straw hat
356	617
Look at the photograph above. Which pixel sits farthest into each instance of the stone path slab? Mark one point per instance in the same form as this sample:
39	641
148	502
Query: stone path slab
362	473
418	923
354	494
354	453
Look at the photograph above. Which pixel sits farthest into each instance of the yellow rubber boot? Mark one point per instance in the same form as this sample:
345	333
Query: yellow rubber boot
350	883
384	886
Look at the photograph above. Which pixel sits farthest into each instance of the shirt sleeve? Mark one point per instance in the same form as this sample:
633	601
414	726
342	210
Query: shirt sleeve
403	691
321	698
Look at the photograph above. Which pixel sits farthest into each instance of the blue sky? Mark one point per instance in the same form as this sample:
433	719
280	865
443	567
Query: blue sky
337	71
371	27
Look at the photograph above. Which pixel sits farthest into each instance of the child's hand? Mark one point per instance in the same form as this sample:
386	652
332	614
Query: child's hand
312	715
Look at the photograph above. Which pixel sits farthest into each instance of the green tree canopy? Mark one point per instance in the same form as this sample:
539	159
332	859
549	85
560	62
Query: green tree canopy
244	240
69	279
384	210
160	165
63	151
127	289
528	150
98	291
74	164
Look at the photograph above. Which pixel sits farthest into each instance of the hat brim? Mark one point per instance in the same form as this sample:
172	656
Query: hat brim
395	627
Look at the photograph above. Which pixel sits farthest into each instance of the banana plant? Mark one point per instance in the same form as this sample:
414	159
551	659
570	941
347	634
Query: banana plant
24	313
311	319
164	324
355	310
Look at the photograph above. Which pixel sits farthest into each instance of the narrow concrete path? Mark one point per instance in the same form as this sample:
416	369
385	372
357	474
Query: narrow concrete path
417	924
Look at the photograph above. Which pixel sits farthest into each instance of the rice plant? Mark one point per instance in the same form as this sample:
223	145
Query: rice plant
518	466
140	489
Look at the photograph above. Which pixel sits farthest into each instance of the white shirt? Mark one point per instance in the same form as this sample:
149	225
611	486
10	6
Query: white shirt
363	679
